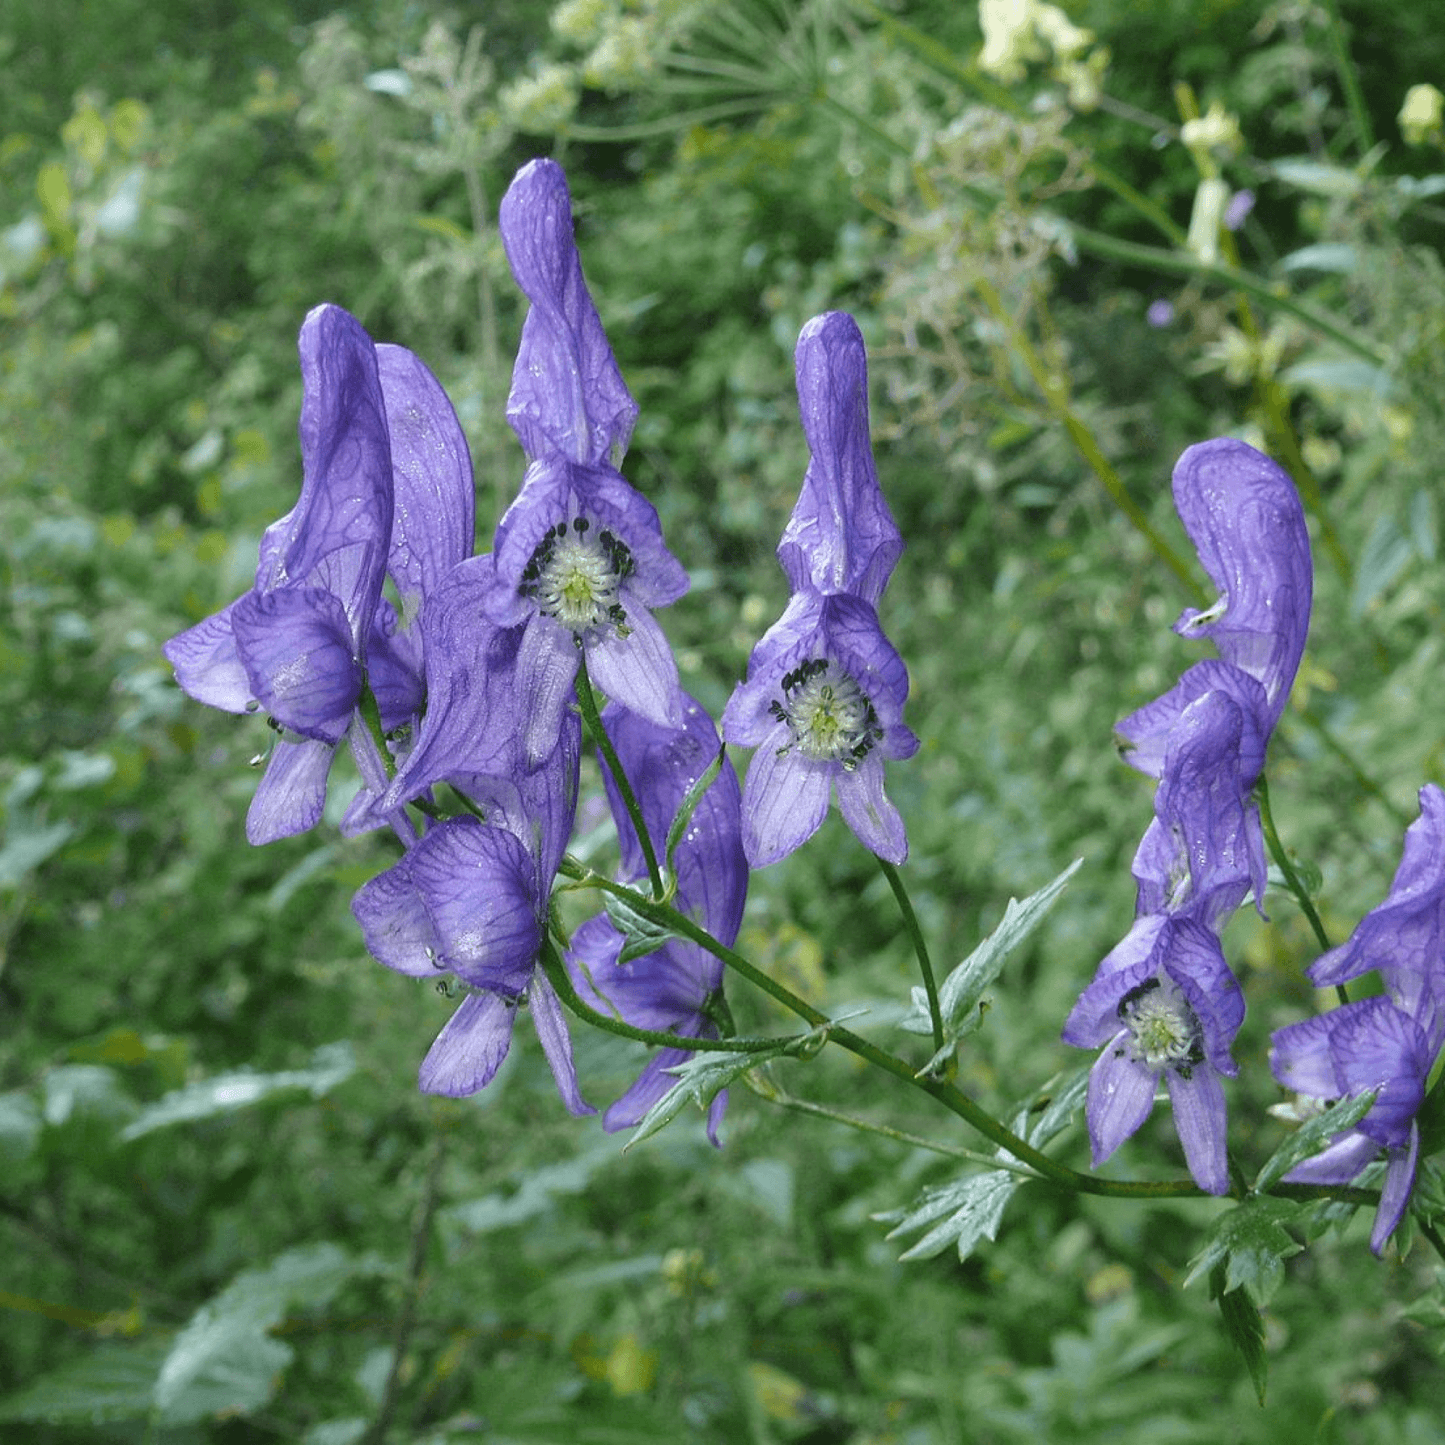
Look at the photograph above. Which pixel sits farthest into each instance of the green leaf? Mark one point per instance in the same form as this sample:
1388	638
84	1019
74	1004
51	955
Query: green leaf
1387	551
970	1210
533	1195
642	936
225	1093
224	1360
1310	1138
112	1383
1317	177
690	801
701	1078
1340	374
1250	1244
1244	1326
1333	256
960	993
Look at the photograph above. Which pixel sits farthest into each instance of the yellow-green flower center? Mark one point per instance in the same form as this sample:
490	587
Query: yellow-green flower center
576	574
1164	1032
827	713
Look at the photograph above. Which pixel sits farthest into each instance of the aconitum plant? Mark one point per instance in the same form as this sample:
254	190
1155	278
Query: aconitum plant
468	701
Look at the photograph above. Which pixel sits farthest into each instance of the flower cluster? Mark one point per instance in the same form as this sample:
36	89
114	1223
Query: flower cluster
1164	1003
461	704
1387	1043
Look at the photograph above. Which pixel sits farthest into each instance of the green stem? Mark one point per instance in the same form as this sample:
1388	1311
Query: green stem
767	1089
587	701
1055	396
1184	263
952	1099
561	981
1349	81
920	947
1291	878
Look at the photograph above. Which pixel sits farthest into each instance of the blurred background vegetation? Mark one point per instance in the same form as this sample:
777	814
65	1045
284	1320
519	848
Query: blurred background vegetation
227	1214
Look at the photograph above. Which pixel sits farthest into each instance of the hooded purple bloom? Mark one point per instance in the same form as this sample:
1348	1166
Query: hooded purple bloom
823	700
580	560
1163	1003
668	990
295	644
1205	849
1387	1043
1369	1044
1243	515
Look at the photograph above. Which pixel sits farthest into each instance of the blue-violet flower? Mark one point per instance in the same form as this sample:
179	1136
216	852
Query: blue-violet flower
295	645
822	704
580	559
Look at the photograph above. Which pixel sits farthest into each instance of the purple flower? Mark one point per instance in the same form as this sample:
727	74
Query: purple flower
1387	1043
1244	517
1241	203
1205	849
823	700
471	899
1369	1044
1163	1005
1160	312
672	989
580	559
295	645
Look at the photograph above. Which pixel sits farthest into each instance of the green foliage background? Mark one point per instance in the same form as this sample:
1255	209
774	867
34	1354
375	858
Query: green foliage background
223	1194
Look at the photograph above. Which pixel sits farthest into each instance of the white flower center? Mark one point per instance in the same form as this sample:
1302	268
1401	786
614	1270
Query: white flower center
1164	1032
576	575
827	713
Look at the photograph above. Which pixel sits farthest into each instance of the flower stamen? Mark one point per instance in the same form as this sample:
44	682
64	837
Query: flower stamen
575	575
1164	1032
829	716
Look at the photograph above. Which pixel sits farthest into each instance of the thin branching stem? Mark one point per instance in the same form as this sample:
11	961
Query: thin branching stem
592	721
920	946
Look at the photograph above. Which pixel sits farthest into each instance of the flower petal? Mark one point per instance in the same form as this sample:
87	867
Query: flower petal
785	798
292	792
1200	1120
841	536
468	1052
551	1025
1121	1094
876	823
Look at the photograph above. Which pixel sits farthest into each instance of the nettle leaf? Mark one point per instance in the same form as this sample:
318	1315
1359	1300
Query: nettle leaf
1244	1325
640	934
969	1210
1250	1244
331	1064
960	993
1310	1138
224	1360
